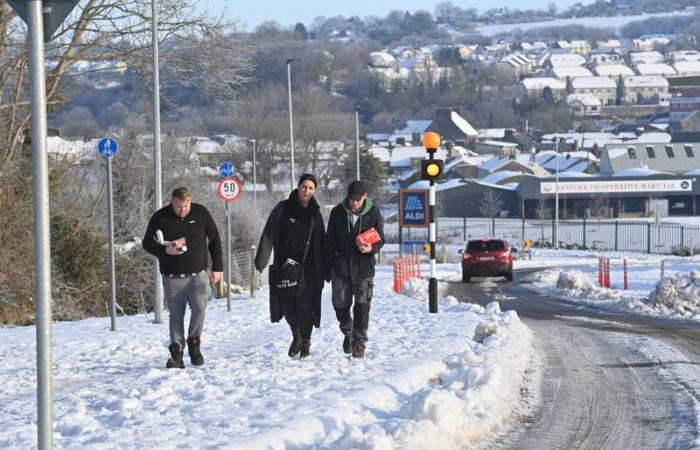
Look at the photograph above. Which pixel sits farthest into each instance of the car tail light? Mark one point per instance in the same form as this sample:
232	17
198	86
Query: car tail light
466	256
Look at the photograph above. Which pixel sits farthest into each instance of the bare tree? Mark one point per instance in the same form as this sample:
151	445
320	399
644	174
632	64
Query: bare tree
543	212
600	205
490	206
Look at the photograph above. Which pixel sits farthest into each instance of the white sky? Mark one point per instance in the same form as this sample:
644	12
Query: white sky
253	12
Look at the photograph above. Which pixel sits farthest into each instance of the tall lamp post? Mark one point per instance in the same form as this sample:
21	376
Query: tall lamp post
158	193
255	178
357	139
291	117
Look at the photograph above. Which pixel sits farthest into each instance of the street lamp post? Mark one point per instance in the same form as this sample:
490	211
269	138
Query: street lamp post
291	117
556	197
255	178
357	139
158	301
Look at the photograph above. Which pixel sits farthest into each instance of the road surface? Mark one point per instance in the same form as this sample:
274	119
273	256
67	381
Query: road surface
598	389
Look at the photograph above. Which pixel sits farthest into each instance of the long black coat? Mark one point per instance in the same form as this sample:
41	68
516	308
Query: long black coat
271	239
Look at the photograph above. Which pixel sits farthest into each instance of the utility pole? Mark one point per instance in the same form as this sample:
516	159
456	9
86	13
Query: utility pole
357	139
291	118
158	188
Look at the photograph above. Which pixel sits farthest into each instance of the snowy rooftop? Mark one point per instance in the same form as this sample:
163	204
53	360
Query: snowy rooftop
498	177
593	83
566	59
613	70
639	172
655	69
646	81
584	99
540	83
570	72
687	67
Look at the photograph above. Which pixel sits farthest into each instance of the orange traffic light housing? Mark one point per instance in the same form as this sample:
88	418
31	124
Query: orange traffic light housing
431	169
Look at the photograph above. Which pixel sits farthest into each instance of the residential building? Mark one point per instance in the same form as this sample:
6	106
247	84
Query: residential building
580	46
652	57
450	125
684	55
672	158
607	57
516	64
583	105
565	59
651	90
603	88
534	87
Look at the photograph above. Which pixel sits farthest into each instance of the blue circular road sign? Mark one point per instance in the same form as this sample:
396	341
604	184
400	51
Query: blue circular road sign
227	170
107	147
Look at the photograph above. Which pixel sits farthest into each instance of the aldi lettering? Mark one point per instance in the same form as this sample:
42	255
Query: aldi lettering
413	207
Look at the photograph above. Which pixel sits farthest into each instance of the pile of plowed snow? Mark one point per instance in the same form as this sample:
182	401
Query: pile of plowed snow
680	292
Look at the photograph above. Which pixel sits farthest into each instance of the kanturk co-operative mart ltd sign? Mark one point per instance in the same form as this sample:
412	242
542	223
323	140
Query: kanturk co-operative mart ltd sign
413	207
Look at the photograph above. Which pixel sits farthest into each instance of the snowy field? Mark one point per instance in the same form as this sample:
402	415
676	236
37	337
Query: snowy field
614	22
425	382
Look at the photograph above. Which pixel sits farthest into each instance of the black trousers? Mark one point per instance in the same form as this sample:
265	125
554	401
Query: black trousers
354	325
297	310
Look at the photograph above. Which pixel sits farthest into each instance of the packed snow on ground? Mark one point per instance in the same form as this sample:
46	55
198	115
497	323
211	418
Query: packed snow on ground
425	382
675	295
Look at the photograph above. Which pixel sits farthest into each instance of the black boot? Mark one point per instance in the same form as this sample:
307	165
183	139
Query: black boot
305	344
196	357
347	345
358	352
295	346
175	360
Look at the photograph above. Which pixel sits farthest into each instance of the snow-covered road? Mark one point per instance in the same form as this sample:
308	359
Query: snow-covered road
611	380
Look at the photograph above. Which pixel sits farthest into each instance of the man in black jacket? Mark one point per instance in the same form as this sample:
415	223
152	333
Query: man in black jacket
352	270
179	234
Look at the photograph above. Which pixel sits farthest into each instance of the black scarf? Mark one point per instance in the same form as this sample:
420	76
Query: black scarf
297	211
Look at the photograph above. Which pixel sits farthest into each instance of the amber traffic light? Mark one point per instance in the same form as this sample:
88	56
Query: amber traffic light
431	141
431	169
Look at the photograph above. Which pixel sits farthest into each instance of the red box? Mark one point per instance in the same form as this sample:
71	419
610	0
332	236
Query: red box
370	237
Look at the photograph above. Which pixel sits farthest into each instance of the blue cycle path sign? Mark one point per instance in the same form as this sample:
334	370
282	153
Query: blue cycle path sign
108	147
413	207
227	170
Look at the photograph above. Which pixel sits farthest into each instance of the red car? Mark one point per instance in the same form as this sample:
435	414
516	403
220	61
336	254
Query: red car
487	257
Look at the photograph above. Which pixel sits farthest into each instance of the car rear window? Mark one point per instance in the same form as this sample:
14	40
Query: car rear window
485	246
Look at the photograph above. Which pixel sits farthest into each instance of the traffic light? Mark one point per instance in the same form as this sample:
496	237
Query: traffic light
431	169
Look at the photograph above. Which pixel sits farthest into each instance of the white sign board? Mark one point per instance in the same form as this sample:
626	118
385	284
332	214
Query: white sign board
610	187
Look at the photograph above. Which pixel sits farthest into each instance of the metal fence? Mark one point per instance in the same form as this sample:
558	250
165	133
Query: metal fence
590	234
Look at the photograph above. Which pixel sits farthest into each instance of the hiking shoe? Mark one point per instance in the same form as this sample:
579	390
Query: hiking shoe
196	357
175	360
305	344
347	345
295	346
358	352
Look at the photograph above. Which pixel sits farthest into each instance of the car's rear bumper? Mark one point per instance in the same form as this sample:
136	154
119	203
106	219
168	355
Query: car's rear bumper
497	269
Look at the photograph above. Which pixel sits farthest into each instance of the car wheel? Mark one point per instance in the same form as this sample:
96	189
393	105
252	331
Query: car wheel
509	275
466	278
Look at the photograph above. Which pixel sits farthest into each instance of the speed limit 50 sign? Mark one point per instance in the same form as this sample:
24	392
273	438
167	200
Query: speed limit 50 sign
229	189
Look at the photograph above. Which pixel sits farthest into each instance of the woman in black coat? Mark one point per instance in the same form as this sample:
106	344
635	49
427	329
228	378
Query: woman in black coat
286	232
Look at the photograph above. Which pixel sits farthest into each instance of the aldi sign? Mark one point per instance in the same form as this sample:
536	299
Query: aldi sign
413	207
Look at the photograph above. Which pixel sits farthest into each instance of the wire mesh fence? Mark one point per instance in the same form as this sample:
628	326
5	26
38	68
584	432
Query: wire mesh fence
589	234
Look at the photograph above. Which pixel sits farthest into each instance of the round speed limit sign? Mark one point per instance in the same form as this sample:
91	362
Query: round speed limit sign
229	189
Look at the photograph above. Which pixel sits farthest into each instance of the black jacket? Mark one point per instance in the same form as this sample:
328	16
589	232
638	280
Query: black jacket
196	228
347	261
287	240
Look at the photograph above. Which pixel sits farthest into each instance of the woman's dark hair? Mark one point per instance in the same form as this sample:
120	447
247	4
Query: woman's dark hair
307	176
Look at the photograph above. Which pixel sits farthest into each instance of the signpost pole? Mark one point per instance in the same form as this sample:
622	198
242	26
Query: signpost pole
110	226
228	257
42	238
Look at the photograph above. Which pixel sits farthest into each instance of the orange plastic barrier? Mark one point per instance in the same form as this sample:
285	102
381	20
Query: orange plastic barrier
405	268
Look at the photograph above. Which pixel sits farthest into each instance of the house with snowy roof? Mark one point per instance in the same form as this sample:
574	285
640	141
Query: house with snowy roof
583	105
534	87
649	90
565	59
684	55
569	72
450	125
603	88
687	68
651	57
581	47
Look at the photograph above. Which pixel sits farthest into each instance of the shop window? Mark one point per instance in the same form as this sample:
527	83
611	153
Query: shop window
669	151
631	152
650	152
689	151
